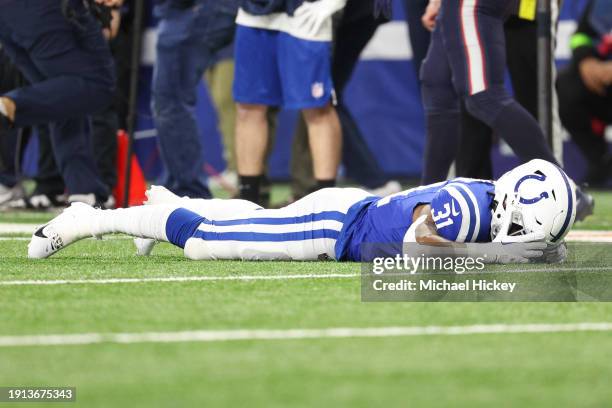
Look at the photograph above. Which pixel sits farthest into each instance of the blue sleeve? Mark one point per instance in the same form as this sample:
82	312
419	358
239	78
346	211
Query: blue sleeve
462	211
447	215
454	210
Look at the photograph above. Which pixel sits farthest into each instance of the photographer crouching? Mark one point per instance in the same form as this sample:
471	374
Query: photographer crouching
60	47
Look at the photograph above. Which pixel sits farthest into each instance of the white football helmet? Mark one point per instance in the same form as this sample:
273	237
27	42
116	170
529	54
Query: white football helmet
536	197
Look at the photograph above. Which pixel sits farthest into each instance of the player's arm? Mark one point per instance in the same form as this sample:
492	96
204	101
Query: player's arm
426	232
509	250
431	13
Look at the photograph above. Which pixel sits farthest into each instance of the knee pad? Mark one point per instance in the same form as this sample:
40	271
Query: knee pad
488	104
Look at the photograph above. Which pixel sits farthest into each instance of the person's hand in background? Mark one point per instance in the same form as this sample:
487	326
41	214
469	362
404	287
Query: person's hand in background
110	33
431	13
314	14
110	3
596	75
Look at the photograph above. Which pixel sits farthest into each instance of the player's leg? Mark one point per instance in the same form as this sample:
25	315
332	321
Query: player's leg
181	58
251	145
474	39
325	140
166	217
442	111
305	73
256	87
212	209
209	208
578	107
81	221
305	230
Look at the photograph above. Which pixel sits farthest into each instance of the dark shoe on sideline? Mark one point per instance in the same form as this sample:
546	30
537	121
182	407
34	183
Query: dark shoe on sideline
585	204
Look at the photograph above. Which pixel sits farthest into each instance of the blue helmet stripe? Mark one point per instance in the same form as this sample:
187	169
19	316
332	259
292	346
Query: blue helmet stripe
570	206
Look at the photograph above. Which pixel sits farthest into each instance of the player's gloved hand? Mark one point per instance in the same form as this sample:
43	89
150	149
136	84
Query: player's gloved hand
554	253
510	249
312	15
518	248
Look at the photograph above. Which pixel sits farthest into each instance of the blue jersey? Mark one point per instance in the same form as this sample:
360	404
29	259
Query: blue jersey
461	209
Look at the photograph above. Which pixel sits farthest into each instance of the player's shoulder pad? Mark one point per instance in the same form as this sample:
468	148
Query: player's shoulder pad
461	211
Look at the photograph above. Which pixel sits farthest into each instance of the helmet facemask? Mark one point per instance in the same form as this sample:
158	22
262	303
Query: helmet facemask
507	219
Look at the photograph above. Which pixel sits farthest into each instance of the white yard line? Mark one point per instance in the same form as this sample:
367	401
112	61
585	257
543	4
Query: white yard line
178	279
17	228
169	279
294	334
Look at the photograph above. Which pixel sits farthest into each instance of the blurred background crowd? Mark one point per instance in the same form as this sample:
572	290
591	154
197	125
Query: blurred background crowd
203	122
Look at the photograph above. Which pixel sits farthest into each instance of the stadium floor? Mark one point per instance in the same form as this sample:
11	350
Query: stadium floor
165	331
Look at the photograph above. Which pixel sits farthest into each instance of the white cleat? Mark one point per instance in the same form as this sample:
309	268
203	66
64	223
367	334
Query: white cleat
144	246
161	195
63	230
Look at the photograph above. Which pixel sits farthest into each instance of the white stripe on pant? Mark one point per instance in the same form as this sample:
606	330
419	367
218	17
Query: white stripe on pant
473	47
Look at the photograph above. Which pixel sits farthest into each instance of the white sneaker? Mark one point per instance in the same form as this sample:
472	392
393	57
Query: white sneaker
228	180
391	187
63	230
89	199
8	194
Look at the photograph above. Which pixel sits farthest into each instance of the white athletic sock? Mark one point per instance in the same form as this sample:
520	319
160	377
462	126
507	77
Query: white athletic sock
147	221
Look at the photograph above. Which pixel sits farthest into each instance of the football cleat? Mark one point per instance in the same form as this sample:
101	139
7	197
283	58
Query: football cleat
144	246
63	230
161	195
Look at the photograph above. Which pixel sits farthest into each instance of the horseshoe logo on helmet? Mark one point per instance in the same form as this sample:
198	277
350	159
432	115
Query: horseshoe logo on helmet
539	177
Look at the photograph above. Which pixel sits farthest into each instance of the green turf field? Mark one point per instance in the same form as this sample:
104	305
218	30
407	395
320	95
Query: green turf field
503	369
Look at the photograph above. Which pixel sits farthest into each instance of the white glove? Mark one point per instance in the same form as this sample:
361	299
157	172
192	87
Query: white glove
510	249
554	253
313	15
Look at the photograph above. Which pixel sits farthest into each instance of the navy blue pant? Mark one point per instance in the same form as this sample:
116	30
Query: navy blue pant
466	62
419	35
355	30
187	43
71	72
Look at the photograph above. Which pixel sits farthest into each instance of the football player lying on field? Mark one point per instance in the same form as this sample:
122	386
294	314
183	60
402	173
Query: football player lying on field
522	217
